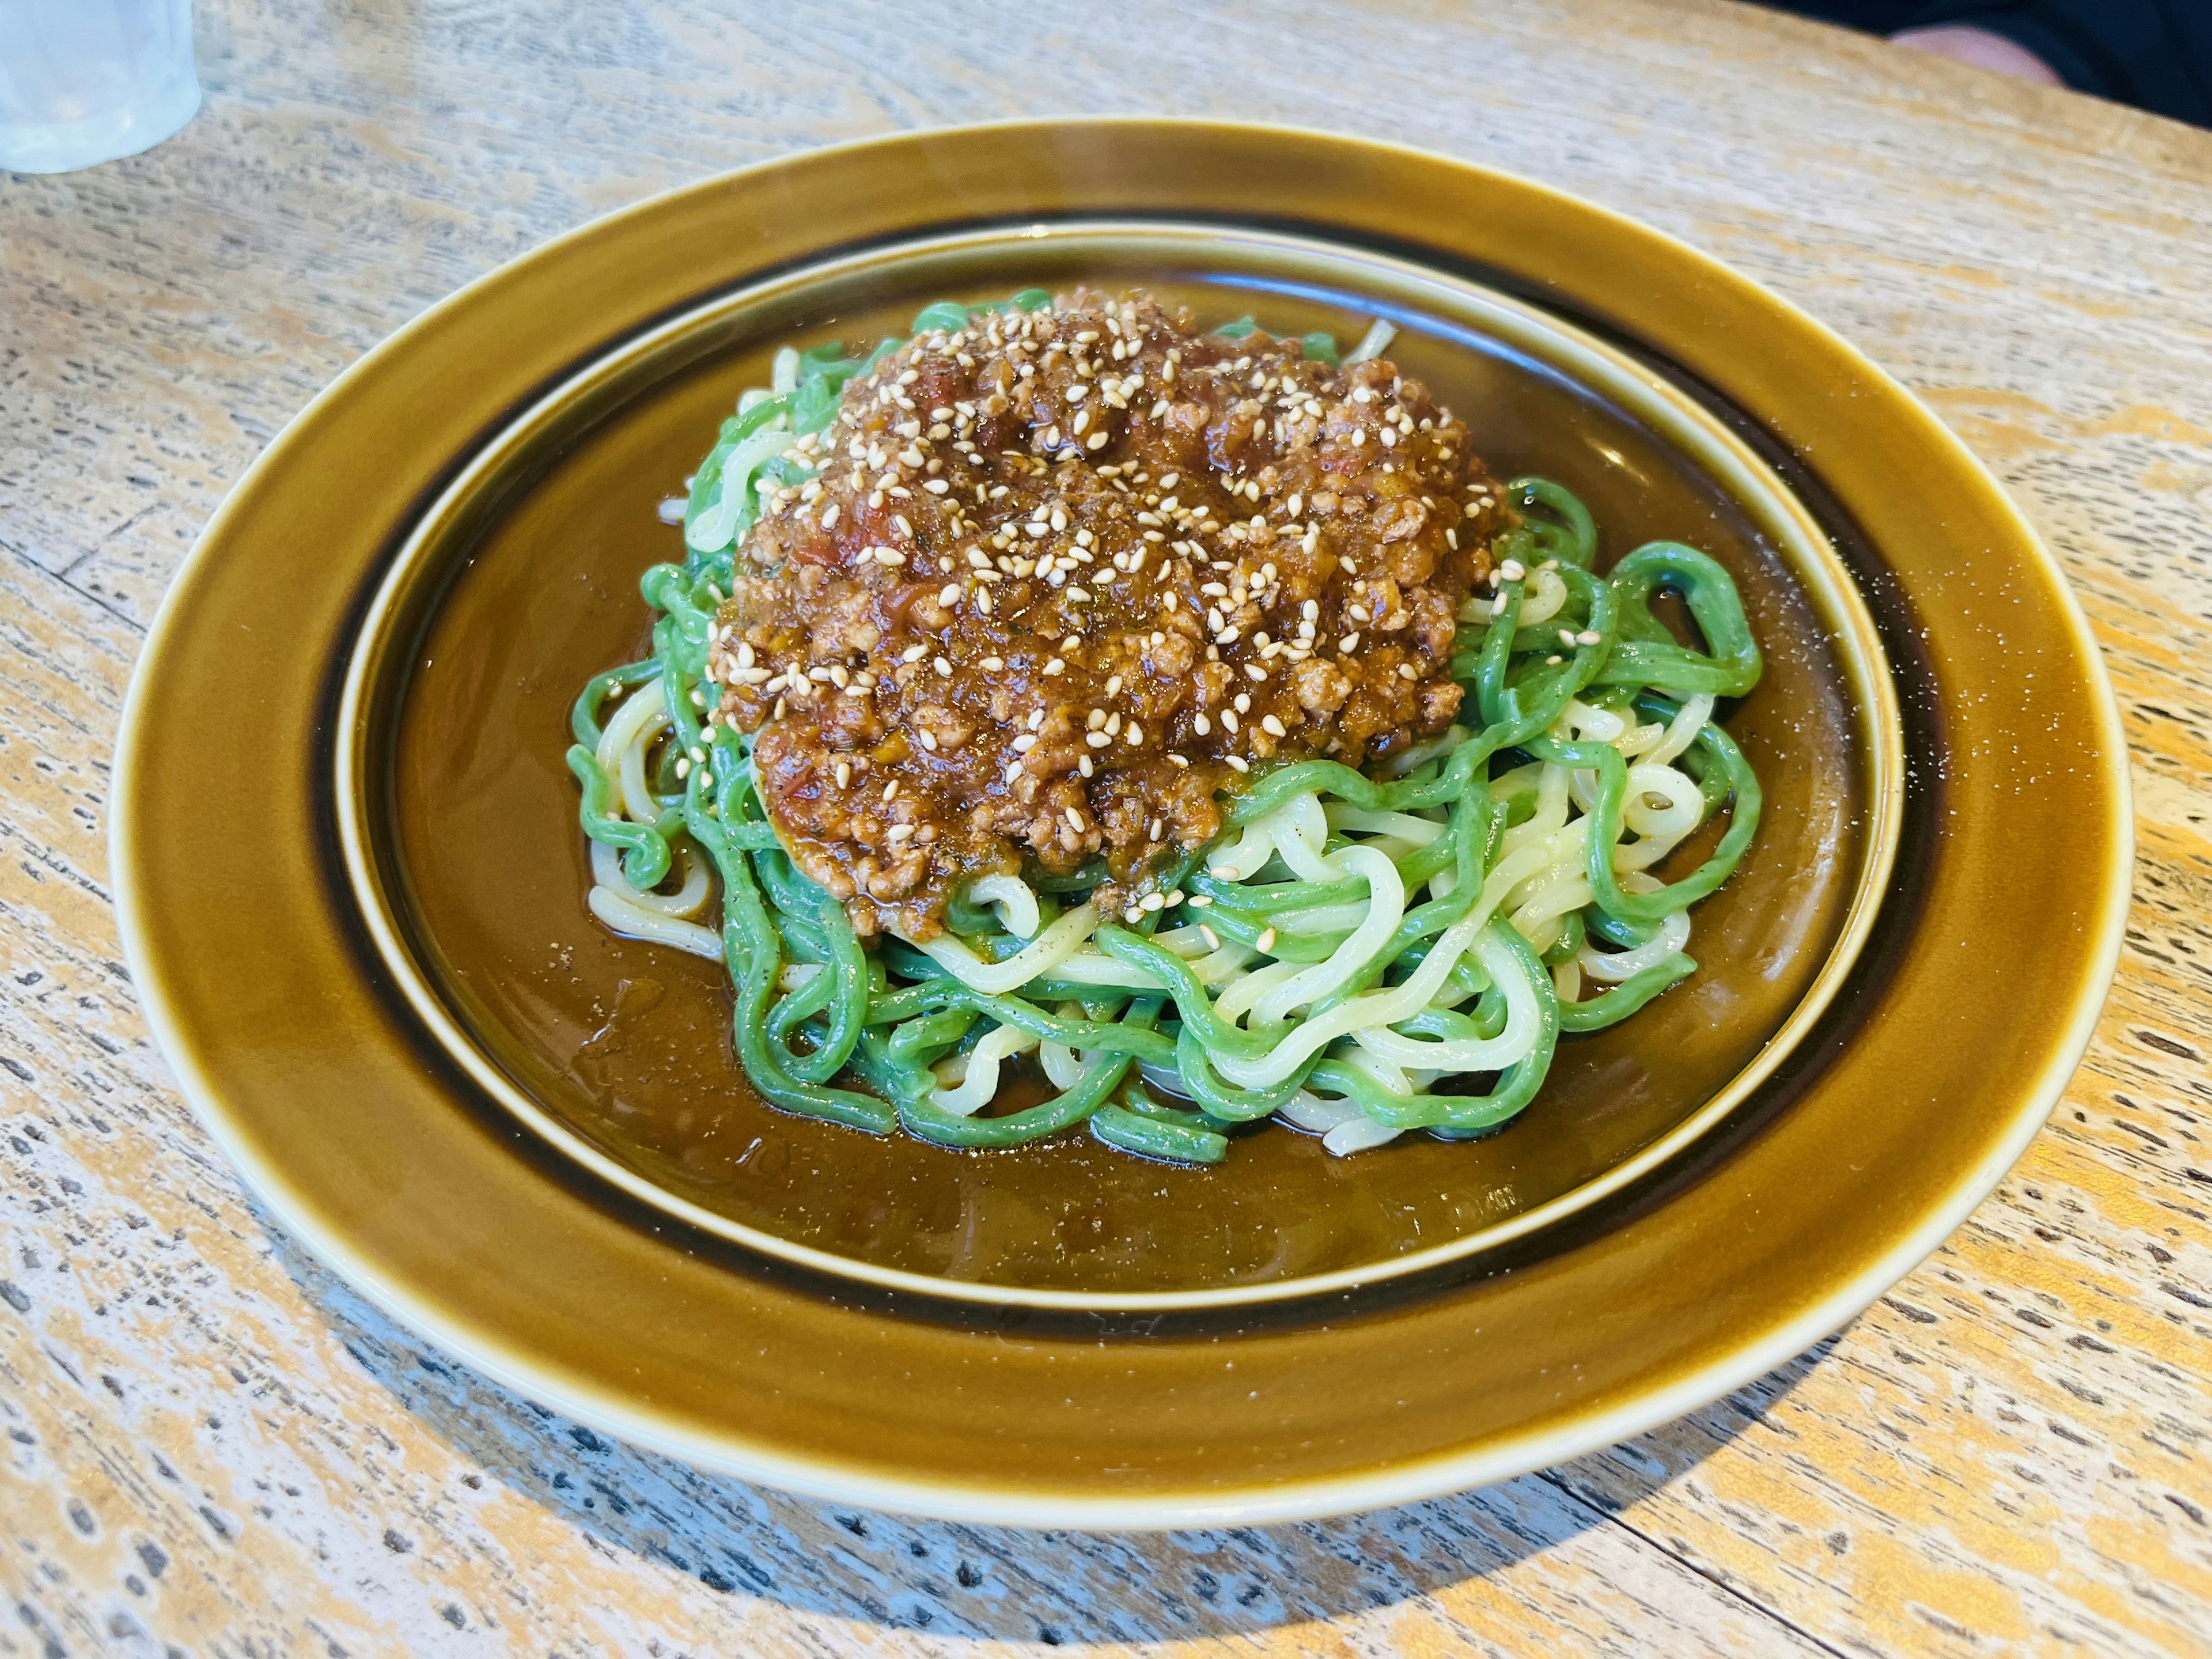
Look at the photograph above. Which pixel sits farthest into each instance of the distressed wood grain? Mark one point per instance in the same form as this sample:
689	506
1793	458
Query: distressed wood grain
214	1448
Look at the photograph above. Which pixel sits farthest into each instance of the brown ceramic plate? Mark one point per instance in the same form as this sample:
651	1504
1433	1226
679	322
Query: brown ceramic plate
352	884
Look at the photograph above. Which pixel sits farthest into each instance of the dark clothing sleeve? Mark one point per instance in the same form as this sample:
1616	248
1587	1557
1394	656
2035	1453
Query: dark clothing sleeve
2154	54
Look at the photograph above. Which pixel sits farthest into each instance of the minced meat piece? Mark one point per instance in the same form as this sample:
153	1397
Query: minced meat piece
1063	578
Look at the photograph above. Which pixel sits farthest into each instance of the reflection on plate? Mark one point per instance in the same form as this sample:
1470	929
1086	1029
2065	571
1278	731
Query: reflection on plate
525	1138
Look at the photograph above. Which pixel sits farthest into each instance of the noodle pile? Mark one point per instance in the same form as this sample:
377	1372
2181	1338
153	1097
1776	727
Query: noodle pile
1358	956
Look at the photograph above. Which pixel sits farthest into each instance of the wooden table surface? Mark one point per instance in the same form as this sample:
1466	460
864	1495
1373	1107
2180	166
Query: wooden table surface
214	1448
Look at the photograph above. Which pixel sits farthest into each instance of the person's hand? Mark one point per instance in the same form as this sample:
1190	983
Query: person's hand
1983	48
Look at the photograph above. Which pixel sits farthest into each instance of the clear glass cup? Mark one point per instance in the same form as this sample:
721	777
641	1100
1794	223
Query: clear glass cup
84	82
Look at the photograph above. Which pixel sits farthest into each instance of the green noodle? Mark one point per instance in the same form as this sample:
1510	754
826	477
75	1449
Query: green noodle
816	1011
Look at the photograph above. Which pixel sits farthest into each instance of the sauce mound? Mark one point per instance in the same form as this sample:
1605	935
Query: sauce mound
1063	578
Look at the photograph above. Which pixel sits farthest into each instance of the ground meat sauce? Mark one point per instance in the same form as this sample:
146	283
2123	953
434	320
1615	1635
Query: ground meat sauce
1065	578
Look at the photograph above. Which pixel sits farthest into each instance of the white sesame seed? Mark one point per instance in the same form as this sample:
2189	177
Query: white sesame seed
1272	727
1074	819
1267	940
899	832
929	740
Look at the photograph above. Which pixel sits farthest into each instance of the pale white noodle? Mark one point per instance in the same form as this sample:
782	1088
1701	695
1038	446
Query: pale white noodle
633	920
1373	344
1543	599
1014	899
643	717
1673	935
1048	950
967	1082
606	866
1682	731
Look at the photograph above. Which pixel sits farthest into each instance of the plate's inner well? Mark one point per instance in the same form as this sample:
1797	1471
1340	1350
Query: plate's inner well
629	1043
